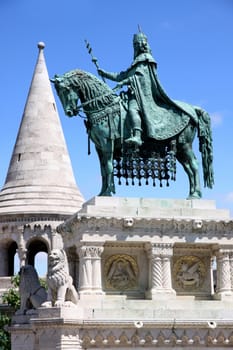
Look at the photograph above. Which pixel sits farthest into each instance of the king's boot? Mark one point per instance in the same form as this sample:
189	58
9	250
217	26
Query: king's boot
135	139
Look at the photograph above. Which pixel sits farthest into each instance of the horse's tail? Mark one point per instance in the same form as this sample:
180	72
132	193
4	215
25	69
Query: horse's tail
206	146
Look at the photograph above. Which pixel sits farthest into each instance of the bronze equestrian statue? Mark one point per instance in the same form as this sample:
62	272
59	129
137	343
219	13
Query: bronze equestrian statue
140	132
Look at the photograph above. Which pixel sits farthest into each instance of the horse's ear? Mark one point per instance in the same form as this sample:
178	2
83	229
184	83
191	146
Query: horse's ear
55	79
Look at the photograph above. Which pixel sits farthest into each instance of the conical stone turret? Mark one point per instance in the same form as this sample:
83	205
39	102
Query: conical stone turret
40	177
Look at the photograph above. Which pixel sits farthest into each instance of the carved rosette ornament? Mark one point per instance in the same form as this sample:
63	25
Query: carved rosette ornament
189	273
121	272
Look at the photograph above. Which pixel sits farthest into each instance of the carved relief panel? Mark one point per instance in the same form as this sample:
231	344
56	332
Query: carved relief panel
121	272
124	270
191	271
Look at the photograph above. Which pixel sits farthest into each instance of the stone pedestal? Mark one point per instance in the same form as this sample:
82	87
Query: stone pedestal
152	273
47	329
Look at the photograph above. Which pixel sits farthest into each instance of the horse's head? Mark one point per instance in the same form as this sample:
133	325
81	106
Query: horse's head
67	95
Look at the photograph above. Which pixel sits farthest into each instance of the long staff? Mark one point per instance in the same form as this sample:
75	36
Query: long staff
93	58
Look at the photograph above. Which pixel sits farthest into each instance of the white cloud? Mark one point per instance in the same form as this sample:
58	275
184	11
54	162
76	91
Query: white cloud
216	119
229	197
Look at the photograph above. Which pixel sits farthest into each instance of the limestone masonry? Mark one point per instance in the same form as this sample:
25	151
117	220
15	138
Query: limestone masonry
148	273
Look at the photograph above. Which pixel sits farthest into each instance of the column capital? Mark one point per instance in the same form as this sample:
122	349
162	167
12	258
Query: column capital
223	250
90	251
160	249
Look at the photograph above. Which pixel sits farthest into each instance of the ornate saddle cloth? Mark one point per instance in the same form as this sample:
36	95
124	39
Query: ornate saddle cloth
168	122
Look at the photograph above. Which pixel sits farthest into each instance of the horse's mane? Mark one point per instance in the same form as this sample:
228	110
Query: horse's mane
93	89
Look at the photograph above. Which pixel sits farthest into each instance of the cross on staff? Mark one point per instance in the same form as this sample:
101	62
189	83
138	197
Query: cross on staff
93	58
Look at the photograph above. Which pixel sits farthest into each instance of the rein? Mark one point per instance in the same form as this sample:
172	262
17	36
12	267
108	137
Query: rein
92	100
94	115
79	107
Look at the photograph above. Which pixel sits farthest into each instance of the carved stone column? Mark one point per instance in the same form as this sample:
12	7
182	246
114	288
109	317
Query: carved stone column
160	281
231	269
224	286
22	251
96	269
167	279
212	277
90	278
156	273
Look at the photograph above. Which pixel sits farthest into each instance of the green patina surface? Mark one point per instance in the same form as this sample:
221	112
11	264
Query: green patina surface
141	128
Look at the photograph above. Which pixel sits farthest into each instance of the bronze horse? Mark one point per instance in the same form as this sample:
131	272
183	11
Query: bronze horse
107	127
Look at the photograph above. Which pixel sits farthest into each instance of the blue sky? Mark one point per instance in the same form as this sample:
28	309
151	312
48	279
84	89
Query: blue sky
190	40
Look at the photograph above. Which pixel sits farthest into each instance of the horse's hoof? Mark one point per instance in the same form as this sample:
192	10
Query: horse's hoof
194	196
105	194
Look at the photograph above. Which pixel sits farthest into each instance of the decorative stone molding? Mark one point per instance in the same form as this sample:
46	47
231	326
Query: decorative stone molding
22	219
37	230
66	332
148	229
90	251
148	337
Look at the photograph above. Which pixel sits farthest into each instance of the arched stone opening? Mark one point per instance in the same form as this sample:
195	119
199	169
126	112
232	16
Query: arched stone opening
33	248
8	252
41	264
12	250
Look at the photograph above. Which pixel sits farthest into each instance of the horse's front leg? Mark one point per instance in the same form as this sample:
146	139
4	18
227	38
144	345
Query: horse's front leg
106	165
109	178
110	188
102	170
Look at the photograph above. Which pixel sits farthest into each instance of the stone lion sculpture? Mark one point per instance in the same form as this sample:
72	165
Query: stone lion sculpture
32	294
61	291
